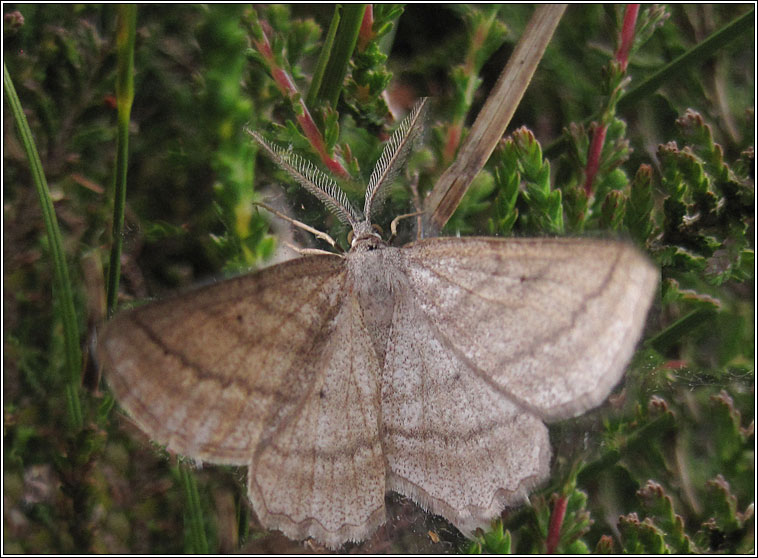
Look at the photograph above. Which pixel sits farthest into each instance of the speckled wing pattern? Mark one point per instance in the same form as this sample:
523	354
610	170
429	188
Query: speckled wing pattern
453	444
279	370
203	371
549	323
490	338
320	469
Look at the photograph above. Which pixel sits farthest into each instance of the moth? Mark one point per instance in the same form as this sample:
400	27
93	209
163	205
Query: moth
428	369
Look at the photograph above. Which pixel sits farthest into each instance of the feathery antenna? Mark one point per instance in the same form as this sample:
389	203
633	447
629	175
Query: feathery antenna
312	179
393	157
325	189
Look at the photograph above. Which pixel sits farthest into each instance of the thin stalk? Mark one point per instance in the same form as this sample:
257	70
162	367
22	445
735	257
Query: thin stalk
193	515
62	282
674	332
471	68
366	33
625	42
593	156
656	428
126	23
556	521
286	85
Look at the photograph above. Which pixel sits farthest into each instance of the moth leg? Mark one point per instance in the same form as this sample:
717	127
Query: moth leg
418	205
396	220
308	251
315	232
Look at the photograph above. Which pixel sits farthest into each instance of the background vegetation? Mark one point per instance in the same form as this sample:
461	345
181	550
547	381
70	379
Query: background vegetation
667	465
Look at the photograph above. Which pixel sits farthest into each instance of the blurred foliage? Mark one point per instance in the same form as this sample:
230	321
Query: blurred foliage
666	466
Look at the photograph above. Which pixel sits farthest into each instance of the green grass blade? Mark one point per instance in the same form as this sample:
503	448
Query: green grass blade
63	288
655	429
699	54
340	54
196	542
696	55
318	75
126	25
680	328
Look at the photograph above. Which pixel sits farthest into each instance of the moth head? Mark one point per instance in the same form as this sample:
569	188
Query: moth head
364	231
325	189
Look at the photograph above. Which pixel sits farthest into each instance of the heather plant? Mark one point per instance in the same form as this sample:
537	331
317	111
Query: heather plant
638	123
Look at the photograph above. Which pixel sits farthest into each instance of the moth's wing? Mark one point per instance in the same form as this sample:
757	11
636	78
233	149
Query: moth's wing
548	323
453	444
203	372
321	471
272	370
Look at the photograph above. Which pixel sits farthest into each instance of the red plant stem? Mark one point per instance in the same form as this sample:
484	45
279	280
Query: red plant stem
675	364
286	85
480	35
451	145
366	32
627	34
556	521
469	67
593	157
622	57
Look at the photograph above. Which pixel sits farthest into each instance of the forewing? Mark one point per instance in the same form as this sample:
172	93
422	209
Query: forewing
320	472
549	323
453	444
204	372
